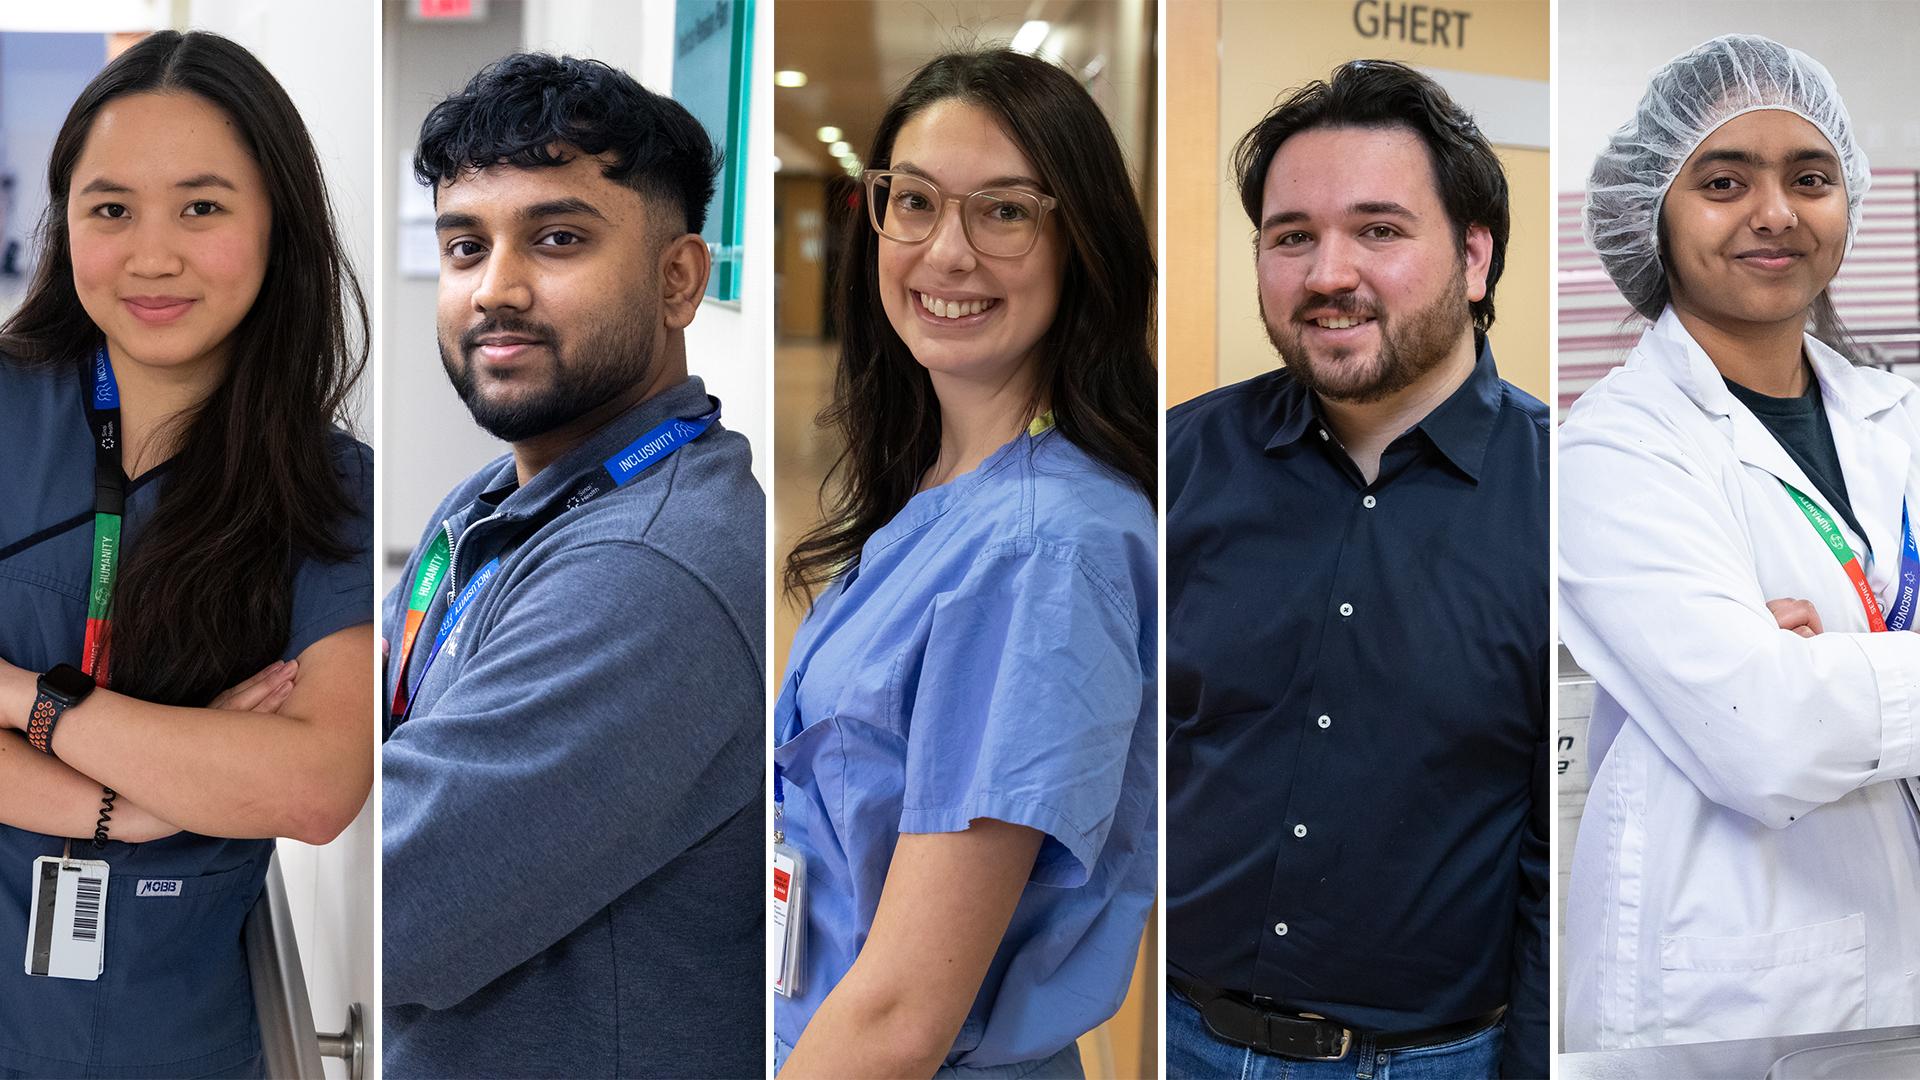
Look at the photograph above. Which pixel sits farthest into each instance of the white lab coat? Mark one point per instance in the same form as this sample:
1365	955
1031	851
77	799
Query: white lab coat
1748	863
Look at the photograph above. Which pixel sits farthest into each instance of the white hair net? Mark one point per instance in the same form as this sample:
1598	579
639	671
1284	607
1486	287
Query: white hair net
1685	102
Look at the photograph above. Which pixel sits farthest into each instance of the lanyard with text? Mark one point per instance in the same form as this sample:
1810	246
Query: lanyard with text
66	918
109	504
617	471
1904	603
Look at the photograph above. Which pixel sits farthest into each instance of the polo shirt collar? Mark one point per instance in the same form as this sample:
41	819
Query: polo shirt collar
550	485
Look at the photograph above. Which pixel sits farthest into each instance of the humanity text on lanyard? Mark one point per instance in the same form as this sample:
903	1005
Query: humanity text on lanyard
109	504
1903	607
635	458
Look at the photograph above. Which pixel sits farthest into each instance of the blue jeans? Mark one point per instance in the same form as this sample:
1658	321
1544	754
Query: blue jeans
1064	1065
1194	1052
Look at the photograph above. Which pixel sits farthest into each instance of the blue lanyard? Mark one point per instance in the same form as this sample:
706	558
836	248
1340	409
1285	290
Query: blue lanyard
616	472
1900	617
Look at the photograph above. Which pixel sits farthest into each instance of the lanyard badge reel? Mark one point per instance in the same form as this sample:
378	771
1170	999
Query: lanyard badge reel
787	922
67	920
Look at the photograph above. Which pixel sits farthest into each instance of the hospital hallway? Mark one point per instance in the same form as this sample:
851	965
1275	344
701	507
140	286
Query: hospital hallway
803	383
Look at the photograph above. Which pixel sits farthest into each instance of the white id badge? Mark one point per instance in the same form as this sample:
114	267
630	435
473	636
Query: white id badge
788	924
67	922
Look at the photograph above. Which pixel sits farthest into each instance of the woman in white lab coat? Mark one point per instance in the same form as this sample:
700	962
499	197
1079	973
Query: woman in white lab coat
1732	542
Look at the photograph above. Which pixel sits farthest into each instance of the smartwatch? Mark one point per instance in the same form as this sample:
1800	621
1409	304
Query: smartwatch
60	689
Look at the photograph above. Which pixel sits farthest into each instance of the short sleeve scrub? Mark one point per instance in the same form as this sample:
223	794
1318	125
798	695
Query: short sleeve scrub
992	655
174	998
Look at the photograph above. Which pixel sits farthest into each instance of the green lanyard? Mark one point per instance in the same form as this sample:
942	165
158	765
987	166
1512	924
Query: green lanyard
1843	552
426	585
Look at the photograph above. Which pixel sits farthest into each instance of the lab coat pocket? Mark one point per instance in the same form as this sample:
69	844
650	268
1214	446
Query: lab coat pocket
1807	979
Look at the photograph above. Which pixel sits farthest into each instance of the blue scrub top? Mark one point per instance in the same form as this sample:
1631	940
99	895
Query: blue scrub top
992	656
175	998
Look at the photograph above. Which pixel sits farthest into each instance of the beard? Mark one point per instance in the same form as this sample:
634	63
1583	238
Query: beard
1411	345
608	359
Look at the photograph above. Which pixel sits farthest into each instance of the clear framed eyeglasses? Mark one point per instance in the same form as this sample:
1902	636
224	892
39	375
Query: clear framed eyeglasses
1001	222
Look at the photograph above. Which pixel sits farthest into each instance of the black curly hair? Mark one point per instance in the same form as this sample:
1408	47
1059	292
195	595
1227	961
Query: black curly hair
534	110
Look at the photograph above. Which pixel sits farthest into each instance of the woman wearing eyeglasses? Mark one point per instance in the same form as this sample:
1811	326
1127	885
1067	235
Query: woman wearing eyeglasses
965	738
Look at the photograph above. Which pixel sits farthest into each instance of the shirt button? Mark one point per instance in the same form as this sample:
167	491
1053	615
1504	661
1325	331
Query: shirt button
1323	435
1367	502
1300	831
1280	928
1346	609
1325	722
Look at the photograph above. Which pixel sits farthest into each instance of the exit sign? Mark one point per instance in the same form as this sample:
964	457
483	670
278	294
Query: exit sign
464	10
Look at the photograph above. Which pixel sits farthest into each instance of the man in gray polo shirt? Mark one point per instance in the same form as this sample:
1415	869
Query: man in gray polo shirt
575	670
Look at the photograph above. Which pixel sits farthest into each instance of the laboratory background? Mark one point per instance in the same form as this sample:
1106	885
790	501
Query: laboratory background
1228	62
1868	46
837	64
310	939
713	56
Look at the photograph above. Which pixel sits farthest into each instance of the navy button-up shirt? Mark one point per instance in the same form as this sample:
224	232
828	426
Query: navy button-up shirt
1357	798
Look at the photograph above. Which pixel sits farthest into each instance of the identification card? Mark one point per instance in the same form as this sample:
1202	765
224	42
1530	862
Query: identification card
788	922
67	922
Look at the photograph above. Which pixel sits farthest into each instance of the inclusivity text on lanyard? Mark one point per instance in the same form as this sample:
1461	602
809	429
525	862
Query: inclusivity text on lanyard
1901	618
635	458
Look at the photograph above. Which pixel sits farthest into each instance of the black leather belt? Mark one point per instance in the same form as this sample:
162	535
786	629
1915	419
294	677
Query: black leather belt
1307	1035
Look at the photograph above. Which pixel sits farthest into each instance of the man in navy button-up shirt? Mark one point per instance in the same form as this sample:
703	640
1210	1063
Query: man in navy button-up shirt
1357	587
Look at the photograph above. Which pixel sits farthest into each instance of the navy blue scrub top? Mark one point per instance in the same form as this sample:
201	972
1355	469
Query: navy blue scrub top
175	998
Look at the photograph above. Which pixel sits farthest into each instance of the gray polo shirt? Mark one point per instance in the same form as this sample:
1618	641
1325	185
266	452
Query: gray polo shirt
573	807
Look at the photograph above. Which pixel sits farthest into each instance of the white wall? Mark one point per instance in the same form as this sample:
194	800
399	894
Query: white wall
1609	47
324	56
430	443
727	345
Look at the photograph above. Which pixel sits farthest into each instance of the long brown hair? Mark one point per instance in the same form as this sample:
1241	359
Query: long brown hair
1096	359
205	598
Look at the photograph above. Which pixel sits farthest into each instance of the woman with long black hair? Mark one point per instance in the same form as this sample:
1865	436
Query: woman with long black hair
965	739
185	563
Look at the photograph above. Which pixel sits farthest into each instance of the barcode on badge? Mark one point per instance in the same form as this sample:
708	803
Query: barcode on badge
86	910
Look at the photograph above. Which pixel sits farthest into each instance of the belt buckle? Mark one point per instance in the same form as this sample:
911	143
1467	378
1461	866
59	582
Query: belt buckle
1346	1040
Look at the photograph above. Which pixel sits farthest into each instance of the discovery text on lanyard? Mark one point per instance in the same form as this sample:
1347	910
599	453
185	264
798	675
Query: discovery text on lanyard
109	504
617	471
1901	617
